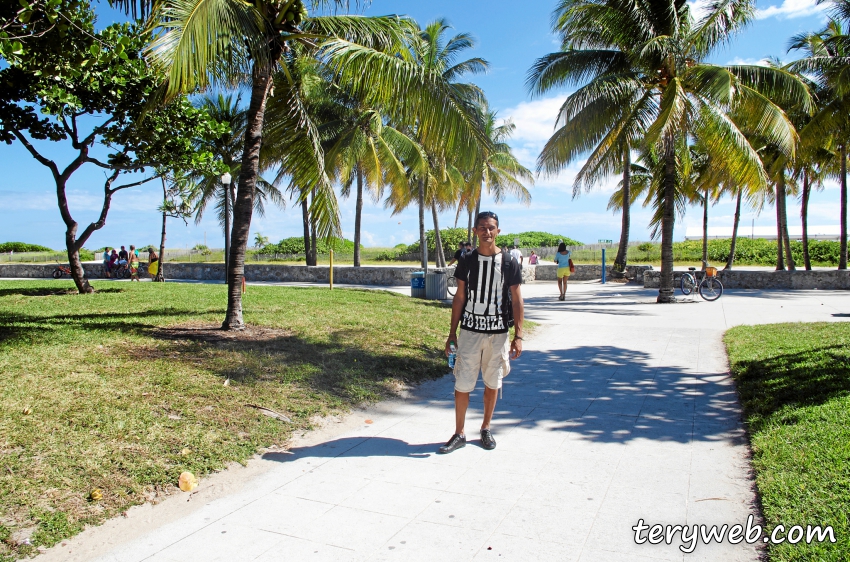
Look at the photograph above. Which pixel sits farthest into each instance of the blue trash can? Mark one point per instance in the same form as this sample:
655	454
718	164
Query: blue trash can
417	284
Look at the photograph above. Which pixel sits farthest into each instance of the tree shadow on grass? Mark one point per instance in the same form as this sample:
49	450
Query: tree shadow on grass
49	291
796	380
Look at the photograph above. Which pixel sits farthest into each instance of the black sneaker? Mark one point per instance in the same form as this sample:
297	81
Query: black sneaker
456	442
487	440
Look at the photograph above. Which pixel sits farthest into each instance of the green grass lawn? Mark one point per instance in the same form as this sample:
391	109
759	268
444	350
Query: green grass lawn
124	389
794	383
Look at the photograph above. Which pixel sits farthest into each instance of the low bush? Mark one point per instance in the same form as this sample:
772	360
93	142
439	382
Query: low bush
451	237
758	251
295	246
7	247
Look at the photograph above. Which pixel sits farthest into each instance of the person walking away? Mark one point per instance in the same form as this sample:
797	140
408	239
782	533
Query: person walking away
532	259
517	255
153	262
113	261
134	264
461	249
487	301
106	270
562	258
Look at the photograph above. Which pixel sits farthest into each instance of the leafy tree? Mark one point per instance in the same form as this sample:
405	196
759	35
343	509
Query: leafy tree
254	40
23	20
66	80
827	60
645	81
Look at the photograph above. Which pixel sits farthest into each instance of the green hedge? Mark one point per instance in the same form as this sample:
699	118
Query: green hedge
451	237
747	251
18	247
295	246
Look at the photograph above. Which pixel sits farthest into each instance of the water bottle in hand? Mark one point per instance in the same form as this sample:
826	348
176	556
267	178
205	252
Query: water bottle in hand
452	355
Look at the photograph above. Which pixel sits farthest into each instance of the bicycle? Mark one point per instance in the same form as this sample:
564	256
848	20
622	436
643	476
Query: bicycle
60	271
121	272
709	286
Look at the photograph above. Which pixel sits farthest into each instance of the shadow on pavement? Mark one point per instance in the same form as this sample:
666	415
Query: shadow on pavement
604	394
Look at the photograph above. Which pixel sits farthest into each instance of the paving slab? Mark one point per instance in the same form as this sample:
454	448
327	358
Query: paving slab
618	410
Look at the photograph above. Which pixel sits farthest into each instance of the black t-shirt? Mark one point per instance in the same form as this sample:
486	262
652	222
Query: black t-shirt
458	255
487	293
122	255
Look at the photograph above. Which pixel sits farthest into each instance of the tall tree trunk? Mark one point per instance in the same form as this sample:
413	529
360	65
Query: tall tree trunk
78	273
786	241
160	270
227	208
314	250
665	289
469	226
243	206
305	217
842	259
731	259
423	242
358	214
439	252
475	218
623	249
804	215
705	228
780	252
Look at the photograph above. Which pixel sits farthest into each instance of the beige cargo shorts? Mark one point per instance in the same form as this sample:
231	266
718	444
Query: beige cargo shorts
484	353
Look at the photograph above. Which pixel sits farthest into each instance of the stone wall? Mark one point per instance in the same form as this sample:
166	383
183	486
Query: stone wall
830	279
549	272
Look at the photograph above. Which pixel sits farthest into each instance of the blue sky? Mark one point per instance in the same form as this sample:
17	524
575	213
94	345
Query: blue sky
510	38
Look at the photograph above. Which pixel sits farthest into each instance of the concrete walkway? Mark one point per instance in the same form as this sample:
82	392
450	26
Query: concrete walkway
619	409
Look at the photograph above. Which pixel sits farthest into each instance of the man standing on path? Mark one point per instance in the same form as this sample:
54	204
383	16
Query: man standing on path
487	303
461	249
517	255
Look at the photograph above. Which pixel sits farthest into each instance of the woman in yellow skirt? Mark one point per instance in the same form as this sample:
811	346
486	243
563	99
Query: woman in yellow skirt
562	258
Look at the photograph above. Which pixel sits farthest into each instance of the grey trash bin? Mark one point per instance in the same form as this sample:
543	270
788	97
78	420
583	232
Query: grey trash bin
417	284
436	286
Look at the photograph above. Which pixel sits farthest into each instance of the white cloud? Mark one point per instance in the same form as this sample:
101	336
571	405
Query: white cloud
699	8
534	120
738	61
792	9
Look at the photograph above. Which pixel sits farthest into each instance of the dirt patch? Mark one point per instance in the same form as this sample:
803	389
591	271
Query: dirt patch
212	333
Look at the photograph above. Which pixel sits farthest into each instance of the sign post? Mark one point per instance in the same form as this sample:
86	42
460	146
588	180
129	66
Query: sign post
603	266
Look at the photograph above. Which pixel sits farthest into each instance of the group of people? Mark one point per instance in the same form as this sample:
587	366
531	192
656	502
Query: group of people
116	260
562	258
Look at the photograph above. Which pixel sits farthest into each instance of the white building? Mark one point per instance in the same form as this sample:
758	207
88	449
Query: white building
816	232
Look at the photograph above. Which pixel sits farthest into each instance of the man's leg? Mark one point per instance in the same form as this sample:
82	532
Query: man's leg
461	405
490	397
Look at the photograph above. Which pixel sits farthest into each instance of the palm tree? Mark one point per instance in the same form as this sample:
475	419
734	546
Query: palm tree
225	42
227	149
496	170
827	60
367	150
646	80
438	54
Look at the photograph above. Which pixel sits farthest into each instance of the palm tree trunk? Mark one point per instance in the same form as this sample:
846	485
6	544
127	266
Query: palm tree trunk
226	228
469	226
160	270
423	243
477	212
665	288
439	252
786	241
804	215
780	258
622	251
358	214
305	217
842	259
705	229
243	206
730	260
314	251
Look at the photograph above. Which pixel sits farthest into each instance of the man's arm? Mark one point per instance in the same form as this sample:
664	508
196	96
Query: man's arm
519	311
457	311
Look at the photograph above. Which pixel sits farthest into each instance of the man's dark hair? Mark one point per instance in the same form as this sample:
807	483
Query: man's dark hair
486	215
